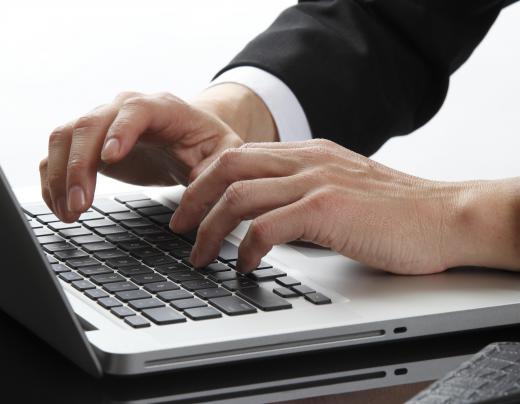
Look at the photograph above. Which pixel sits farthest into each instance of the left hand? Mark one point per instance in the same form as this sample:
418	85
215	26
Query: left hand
320	192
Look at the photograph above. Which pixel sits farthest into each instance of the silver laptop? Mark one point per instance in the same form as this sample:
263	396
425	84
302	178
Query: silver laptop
116	294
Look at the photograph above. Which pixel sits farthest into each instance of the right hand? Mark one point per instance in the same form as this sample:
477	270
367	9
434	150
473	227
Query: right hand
140	139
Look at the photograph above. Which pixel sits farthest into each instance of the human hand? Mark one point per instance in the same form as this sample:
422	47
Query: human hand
145	140
320	192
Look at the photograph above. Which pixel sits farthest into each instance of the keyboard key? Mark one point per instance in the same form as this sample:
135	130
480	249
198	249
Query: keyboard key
132	271
121	237
142	304
57	226
159	237
263	299
59	268
170	295
181	276
70	254
142	204
224	276
137	321
155	210
95	294
42	232
163	316
181	252
232	305
101	279
80	240
82	262
159	260
119	286
187	303
266	274
95	270
109	230
131	197
83	285
172	267
128	295
146	252
212	293
122	311
110	254
93	247
134	223
202	313
287	281
239	283
285	292
50	239
48	218
93	224
199	284
78	231
317	298
92	215
161	219
70	276
147	230
122	262
36	209
61	246
160	286
148	278
35	224
302	289
108	206
133	245
51	259
228	251
124	216
172	245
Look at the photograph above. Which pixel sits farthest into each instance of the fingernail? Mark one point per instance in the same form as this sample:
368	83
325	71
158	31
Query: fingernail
110	149
61	207
77	199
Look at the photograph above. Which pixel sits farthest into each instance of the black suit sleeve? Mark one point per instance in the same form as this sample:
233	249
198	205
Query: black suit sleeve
367	70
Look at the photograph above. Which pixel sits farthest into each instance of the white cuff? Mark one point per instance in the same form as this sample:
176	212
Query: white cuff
287	113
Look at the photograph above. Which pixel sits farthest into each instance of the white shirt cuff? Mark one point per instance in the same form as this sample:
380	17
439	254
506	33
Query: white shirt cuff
288	115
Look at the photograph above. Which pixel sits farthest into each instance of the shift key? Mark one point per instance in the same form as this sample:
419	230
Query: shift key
264	299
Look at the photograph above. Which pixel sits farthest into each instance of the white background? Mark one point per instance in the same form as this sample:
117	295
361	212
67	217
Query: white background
59	60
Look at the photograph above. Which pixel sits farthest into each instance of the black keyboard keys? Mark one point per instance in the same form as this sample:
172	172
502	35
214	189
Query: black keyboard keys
160	287
142	304
317	298
202	313
266	274
137	321
128	295
95	294
285	292
263	299
212	293
183	304
122	311
119	286
163	315
232	305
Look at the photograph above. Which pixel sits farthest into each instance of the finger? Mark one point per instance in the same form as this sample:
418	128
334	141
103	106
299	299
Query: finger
231	166
88	135
59	147
286	145
243	200
46	194
138	115
287	223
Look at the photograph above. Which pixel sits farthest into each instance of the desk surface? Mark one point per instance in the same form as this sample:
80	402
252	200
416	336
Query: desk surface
34	372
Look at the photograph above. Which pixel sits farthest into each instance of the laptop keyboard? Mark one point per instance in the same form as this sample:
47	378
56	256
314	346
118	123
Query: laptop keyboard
122	255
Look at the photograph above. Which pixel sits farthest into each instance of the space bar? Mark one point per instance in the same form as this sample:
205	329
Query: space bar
264	299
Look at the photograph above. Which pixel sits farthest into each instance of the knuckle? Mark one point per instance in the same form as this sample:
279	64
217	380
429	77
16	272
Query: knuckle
260	230
126	94
203	231
321	199
43	165
136	102
58	135
228	158
86	122
76	165
235	193
54	180
326	143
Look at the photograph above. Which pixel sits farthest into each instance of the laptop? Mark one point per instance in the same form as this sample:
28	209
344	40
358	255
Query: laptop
115	292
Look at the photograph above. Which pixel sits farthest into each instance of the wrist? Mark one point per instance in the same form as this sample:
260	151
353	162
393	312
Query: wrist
485	226
241	109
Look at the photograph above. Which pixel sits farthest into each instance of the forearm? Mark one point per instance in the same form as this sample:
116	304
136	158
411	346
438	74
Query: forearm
486	225
241	109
